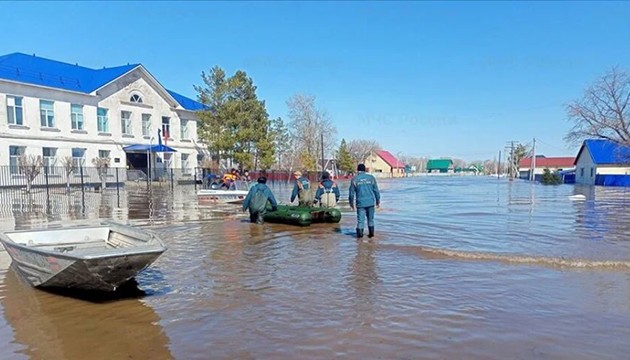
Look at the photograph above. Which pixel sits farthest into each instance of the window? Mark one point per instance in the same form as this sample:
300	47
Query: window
592	172
125	122
103	154
49	156
102	121
582	172
47	113
78	157
14	110
14	154
168	159
146	124
185	165
76	115
166	127
135	98
183	129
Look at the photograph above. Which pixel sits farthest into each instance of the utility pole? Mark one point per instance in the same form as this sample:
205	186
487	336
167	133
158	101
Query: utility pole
512	161
533	164
499	166
512	166
322	144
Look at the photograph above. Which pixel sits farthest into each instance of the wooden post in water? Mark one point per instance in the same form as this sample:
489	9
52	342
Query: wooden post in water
499	166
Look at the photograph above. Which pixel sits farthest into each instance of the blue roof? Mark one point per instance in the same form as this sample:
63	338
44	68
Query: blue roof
186	103
35	70
606	152
31	69
149	148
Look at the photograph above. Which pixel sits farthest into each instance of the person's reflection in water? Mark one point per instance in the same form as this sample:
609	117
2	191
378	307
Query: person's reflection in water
363	279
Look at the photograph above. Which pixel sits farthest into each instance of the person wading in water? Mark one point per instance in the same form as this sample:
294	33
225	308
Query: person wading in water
302	190
363	187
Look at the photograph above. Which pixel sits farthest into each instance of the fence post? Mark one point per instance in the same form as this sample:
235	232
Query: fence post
172	187
81	174
46	177
195	177
117	187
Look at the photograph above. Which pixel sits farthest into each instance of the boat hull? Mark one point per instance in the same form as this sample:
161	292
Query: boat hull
221	196
97	269
303	216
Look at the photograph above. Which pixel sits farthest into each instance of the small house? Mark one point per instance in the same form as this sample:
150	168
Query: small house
541	163
602	162
383	164
440	166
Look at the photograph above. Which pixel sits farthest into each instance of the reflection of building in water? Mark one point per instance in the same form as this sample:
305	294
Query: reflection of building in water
57	327
59	205
603	214
162	203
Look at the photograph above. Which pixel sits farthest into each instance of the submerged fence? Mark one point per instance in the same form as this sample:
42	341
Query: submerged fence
93	177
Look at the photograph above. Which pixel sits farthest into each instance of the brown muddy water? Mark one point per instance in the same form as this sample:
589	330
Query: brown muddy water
461	267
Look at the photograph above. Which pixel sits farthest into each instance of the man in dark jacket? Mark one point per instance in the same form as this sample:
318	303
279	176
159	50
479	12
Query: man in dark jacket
256	201
302	190
327	194
363	187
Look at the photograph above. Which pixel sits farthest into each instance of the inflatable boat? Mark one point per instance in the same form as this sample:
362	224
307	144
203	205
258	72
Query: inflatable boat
303	216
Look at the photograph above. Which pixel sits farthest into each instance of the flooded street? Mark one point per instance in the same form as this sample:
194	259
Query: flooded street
461	267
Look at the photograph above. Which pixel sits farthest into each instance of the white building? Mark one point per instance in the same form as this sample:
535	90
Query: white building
56	110
602	162
541	163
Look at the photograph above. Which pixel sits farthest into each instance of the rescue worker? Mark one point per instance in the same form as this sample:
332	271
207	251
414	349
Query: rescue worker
302	189
327	194
256	201
364	189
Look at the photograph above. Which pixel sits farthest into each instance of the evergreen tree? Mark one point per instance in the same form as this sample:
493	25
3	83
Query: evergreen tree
550	178
344	158
237	125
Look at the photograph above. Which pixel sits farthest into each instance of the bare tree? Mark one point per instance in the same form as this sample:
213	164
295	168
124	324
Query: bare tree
307	125
68	167
459	163
361	149
417	163
603	110
30	166
102	165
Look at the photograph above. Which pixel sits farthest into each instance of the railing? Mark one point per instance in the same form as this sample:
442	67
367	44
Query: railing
48	176
90	177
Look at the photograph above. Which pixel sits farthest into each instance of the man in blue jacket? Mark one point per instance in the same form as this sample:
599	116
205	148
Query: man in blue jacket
363	186
302	189
256	201
327	194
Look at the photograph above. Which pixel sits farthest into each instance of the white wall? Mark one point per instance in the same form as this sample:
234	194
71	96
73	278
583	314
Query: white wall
115	97
585	169
613	170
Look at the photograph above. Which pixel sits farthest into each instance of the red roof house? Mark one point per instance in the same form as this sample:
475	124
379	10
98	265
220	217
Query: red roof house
552	163
383	162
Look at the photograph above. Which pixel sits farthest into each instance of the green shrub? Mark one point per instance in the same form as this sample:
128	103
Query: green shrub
549	178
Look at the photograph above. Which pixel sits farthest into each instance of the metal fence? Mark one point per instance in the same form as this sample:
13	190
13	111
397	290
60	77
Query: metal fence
93	178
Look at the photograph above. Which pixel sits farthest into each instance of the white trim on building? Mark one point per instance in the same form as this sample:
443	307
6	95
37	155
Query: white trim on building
34	118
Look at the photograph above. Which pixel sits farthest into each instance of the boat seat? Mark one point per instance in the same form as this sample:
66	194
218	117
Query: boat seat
72	246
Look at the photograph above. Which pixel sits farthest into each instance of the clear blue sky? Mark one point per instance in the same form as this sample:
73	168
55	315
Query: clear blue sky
424	78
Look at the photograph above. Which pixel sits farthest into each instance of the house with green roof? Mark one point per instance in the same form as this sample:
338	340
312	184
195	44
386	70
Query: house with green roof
440	166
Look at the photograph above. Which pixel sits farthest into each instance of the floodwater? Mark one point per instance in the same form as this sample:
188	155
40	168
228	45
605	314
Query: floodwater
461	267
